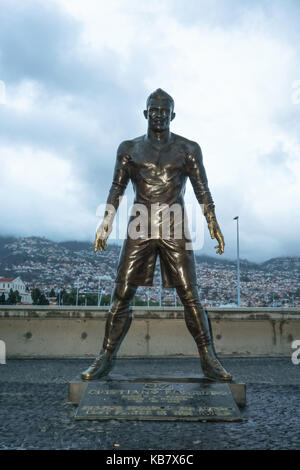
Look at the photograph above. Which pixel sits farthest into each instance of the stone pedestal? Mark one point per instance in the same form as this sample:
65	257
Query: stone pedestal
157	398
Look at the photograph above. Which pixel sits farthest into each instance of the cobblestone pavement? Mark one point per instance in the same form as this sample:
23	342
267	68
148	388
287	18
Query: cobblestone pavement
34	413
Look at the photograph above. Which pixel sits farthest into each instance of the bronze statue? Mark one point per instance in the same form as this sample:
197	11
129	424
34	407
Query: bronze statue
158	164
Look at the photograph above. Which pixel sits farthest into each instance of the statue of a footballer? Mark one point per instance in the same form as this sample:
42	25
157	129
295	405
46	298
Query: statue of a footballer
158	165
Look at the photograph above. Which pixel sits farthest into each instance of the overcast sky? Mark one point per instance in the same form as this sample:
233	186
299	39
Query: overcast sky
75	76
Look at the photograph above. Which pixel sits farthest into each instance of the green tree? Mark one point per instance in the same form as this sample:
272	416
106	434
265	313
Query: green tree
18	296
105	299
140	302
38	298
13	297
2	299
43	300
92	299
35	295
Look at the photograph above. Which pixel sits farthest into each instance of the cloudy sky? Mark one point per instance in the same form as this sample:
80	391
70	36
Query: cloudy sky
74	79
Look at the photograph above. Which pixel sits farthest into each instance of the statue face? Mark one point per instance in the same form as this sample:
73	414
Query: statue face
159	115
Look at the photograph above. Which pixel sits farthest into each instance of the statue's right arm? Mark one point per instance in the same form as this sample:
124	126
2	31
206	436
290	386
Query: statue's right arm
119	183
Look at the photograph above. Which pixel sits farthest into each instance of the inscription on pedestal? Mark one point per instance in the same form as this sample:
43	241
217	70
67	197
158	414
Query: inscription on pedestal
158	401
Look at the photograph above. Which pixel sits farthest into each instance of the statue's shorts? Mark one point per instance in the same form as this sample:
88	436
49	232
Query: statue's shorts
138	258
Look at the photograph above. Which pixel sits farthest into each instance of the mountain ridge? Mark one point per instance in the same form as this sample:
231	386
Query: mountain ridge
77	246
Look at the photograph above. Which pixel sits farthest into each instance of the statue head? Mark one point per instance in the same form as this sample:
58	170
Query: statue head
160	110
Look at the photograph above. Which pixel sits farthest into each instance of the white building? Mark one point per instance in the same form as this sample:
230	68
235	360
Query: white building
15	283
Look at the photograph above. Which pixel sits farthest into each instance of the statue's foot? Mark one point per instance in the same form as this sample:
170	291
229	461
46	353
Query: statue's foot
211	366
101	366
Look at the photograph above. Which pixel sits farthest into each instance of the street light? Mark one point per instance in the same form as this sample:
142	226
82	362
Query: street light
238	261
100	292
77	291
148	298
99	295
160	289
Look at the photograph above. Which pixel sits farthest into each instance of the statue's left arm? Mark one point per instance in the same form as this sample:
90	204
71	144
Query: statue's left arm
198	178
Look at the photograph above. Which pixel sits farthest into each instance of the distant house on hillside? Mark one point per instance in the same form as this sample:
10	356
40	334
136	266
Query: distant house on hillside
15	283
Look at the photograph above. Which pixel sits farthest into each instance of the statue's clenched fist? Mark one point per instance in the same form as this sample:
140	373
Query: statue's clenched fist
102	235
215	232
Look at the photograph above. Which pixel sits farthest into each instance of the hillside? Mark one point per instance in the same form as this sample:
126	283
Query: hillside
47	264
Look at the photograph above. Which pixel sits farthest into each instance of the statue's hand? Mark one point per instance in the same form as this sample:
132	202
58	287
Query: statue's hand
102	235
215	232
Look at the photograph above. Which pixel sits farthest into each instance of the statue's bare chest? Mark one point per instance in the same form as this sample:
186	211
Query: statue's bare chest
157	159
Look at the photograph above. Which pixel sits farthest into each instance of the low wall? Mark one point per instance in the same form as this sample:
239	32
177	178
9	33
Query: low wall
56	332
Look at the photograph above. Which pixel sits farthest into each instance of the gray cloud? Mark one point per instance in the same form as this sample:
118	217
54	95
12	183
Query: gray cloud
85	100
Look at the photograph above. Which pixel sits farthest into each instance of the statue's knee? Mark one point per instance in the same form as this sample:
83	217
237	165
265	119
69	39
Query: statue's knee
124	292
189	296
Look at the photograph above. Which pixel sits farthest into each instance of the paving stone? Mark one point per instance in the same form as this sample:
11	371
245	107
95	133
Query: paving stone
35	413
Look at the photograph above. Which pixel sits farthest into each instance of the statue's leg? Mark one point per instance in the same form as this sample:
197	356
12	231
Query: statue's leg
117	325
198	325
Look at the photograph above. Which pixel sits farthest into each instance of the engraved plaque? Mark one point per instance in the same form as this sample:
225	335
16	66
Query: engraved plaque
158	401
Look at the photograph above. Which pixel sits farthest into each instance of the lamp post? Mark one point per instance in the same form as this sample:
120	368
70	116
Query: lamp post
77	291
238	261
160	289
99	295
101	289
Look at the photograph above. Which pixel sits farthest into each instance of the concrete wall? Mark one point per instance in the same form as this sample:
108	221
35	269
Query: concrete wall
31	331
